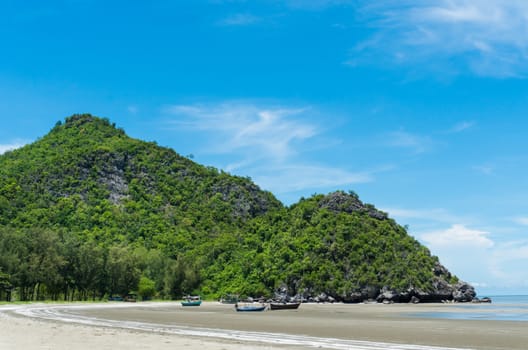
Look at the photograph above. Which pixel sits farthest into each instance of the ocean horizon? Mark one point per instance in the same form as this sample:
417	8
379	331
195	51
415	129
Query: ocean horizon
502	308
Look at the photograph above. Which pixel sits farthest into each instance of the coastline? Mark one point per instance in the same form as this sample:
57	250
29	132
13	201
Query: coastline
217	326
20	333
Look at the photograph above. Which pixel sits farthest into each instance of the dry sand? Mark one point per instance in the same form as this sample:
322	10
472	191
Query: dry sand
168	326
23	333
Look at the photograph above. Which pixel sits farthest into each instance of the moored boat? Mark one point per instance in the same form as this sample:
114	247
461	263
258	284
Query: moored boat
250	307
229	299
284	306
192	301
131	298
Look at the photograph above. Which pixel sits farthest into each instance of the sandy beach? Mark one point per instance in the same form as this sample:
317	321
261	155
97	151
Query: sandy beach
218	326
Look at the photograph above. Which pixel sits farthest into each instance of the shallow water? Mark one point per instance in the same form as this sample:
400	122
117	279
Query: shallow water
502	308
510	300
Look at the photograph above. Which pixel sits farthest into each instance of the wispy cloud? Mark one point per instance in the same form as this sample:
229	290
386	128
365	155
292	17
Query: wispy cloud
485	169
239	19
522	220
508	264
297	177
271	131
267	142
462	126
11	146
403	139
487	37
434	215
316	4
132	109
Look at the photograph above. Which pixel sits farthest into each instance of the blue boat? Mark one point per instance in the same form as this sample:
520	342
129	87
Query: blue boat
250	307
192	301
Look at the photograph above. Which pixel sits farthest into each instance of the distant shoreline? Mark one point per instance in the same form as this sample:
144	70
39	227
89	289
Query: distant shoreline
316	324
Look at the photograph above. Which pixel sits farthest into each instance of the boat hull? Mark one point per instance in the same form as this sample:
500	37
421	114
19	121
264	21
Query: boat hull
250	308
284	306
191	303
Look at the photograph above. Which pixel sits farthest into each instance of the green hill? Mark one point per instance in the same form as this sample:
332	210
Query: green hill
88	212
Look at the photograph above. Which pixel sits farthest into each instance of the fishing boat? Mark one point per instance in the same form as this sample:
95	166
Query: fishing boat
284	306
250	307
131	298
229	299
194	300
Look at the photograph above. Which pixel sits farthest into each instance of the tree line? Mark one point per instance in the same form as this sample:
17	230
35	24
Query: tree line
41	264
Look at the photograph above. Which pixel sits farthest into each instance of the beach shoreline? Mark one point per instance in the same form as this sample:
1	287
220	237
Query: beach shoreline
217	326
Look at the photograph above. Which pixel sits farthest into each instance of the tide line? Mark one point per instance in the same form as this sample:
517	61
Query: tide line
63	313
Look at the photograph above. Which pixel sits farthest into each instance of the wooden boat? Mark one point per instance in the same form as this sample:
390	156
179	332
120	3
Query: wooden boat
229	299
131	298
250	307
284	306
192	301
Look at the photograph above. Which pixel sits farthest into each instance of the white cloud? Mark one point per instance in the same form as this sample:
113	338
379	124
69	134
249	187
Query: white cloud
460	12
513	251
271	131
464	251
297	177
267	142
11	146
491	264
437	215
479	284
486	37
508	264
458	235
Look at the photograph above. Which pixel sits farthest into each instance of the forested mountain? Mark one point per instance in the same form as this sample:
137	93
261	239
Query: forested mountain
88	212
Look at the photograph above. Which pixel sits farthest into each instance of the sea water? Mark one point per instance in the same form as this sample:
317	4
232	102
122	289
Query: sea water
511	300
502	308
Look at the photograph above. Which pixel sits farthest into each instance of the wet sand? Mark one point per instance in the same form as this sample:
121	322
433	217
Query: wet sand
166	325
18	333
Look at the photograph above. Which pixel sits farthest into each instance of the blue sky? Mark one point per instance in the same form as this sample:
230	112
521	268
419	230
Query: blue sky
418	106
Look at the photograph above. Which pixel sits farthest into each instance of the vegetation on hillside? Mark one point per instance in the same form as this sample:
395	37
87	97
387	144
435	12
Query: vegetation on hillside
87	212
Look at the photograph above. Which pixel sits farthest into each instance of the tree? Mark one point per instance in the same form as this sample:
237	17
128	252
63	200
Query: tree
41	267
89	269
122	270
5	286
146	288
